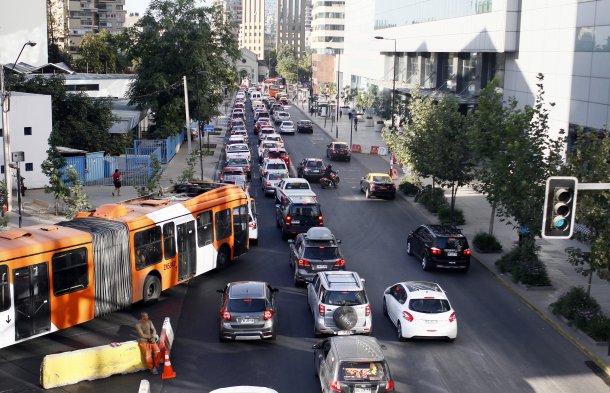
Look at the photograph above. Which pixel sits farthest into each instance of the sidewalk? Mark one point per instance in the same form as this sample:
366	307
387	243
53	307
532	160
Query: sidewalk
477	212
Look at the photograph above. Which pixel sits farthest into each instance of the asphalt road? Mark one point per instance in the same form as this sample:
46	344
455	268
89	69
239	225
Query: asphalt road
501	345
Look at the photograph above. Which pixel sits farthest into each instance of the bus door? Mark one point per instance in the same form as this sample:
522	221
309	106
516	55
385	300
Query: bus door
187	250
32	308
240	230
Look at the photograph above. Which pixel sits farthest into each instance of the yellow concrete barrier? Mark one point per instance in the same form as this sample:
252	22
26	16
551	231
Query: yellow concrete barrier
88	364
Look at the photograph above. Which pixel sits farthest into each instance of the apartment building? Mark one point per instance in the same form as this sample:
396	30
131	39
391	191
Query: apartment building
458	46
328	27
252	30
290	17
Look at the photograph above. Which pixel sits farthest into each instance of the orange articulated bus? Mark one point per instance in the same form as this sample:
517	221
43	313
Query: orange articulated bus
56	276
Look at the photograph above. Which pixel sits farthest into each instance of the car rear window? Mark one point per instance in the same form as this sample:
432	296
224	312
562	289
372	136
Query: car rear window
276	166
340	147
277	176
452	243
305	211
321	252
344	298
246	305
362	371
382	179
314	164
297	186
429	306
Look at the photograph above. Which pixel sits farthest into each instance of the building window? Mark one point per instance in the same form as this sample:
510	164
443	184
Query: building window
29	167
70	271
27	130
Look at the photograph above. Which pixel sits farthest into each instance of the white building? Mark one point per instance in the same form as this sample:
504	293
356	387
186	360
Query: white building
20	22
29	134
248	64
252	32
460	45
327	27
100	85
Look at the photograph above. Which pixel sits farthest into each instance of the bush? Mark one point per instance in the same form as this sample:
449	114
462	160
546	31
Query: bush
444	215
408	187
433	199
577	307
525	267
599	329
484	241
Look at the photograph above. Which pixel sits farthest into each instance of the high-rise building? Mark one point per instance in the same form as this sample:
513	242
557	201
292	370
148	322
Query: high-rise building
308	17
328	27
270	24
252	31
291	24
233	11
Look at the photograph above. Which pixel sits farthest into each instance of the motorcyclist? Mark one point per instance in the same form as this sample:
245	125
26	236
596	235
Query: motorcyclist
328	174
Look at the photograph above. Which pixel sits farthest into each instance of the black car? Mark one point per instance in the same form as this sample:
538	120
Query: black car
378	184
338	151
311	169
297	214
314	251
442	246
305	126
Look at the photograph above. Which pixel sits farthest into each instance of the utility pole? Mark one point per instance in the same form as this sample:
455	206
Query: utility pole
186	107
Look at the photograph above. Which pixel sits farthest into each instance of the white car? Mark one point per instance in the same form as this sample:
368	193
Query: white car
287	127
270	180
266	130
238	150
280	116
244	389
273	165
242	133
420	309
277	138
293	186
266	145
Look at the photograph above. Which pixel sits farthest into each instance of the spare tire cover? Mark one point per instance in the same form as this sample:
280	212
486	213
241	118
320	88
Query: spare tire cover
345	317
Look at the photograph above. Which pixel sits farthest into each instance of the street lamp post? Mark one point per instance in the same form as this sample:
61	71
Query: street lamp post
394	77
5	94
199	127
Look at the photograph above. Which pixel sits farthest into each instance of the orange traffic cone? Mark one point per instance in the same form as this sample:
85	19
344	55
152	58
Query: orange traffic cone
168	371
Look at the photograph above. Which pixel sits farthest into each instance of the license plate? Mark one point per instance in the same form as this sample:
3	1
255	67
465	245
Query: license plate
316	171
344	333
363	390
431	322
296	221
318	267
452	254
246	321
382	188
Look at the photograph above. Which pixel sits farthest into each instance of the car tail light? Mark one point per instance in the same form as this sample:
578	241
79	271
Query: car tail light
467	251
247	168
389	386
367	310
321	310
435	251
335	386
452	317
320	220
394	186
267	184
340	263
288	220
303	262
372	187
407	315
225	315
252	224
267	315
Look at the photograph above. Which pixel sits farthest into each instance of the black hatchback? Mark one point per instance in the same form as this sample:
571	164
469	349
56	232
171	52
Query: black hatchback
297	214
439	246
313	252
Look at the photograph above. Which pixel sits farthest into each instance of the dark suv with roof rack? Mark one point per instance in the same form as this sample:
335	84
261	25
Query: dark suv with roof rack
439	246
314	251
297	214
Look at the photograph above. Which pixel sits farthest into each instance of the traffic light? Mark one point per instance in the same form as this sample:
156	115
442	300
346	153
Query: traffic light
559	207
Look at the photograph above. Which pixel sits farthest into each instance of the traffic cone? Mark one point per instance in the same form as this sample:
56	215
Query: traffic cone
168	371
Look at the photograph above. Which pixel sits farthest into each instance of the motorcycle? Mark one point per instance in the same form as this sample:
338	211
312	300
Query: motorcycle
325	182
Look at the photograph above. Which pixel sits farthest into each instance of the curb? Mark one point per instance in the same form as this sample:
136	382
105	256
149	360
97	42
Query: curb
555	325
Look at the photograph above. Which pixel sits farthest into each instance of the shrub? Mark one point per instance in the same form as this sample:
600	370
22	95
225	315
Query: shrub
505	264
433	199
578	307
444	215
408	187
525	267
486	242
599	329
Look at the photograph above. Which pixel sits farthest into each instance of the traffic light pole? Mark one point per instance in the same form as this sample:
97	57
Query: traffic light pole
593	186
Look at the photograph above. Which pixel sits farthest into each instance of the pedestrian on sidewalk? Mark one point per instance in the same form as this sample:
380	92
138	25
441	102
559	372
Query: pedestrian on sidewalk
340	114
350	115
116	180
355	123
147	341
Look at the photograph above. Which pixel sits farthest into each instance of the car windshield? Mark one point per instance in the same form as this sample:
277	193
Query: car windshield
382	179
429	306
305	123
237	162
246	305
237	147
321	253
305	211
452	243
344	298
277	154
276	166
362	371
297	186
287	124
269	145
277	176
314	164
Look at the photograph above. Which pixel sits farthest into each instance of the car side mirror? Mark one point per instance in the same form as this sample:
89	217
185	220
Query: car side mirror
316	346
290	241
387	291
363	280
339	241
277	206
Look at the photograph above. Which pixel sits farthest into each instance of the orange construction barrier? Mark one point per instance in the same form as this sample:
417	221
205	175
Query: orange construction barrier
374	149
356	148
168	371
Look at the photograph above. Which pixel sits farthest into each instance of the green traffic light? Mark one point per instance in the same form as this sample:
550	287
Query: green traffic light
560	223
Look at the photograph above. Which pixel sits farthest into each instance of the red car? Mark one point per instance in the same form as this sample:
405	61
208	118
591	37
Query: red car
260	123
278	153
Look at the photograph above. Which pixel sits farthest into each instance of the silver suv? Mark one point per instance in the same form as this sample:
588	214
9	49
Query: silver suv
339	304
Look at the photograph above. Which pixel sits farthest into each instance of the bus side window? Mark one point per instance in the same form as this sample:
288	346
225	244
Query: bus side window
223	224
147	244
70	271
5	293
169	242
205	230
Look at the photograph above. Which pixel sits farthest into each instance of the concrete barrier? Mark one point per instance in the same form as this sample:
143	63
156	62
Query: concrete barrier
67	368
144	386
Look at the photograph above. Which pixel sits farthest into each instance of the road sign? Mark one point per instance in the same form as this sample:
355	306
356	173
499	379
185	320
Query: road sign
208	128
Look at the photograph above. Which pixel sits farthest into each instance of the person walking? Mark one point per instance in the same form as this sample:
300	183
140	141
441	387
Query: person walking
116	180
147	341
355	123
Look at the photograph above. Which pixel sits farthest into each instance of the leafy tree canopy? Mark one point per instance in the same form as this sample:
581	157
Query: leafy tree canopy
287	63
176	38
103	53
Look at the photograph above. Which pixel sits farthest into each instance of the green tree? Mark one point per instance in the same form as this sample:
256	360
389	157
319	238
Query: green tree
51	167
76	200
367	99
3	202
287	63
305	64
102	53
271	56
176	38
58	55
588	162
154	177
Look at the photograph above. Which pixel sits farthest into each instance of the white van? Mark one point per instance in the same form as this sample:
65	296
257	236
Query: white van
255	95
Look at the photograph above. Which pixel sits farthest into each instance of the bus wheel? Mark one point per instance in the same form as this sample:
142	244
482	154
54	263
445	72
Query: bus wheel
222	260
152	288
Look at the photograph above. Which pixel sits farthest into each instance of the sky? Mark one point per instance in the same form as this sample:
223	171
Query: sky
139	6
